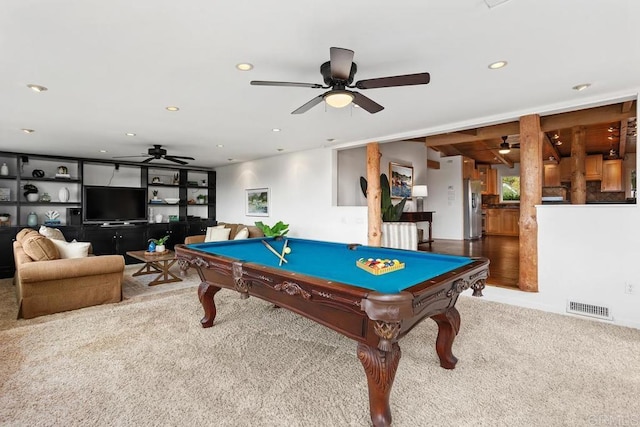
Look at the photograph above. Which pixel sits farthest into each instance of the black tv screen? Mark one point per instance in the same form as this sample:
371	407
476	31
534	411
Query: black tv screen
114	204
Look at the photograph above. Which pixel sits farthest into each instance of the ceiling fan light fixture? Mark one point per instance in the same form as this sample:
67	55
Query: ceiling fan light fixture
338	98
497	65
504	146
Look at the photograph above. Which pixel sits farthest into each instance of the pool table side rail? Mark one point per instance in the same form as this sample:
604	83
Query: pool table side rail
344	308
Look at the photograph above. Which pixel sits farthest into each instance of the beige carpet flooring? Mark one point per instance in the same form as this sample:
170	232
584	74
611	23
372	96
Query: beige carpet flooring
148	362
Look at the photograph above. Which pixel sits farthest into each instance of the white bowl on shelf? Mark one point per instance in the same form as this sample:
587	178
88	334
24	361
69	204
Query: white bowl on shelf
171	200
32	197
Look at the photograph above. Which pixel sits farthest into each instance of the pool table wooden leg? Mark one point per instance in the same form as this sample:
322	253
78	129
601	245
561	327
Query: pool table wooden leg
380	367
206	293
448	327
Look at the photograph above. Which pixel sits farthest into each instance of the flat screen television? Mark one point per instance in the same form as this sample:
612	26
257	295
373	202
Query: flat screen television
114	204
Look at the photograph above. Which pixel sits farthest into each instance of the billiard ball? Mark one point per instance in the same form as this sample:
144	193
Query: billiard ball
287	250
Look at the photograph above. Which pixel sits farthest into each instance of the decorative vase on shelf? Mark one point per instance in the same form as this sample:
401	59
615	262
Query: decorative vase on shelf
45	197
4	169
32	219
63	194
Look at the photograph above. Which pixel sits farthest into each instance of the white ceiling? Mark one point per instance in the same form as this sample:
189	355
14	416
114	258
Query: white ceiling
113	66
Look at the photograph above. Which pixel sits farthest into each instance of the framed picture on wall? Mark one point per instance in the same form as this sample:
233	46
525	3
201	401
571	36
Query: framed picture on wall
257	200
400	179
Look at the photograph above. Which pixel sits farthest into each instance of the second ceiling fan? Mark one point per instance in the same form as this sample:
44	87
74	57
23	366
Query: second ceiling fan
338	75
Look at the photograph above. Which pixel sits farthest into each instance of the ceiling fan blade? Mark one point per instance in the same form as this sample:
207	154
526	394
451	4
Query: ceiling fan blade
405	80
290	84
181	157
125	157
367	103
341	60
148	160
173	159
306	107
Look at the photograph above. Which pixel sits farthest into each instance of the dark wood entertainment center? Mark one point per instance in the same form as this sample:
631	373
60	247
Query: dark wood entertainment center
114	238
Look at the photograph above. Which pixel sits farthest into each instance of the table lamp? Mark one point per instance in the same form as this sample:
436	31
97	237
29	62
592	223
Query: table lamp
419	192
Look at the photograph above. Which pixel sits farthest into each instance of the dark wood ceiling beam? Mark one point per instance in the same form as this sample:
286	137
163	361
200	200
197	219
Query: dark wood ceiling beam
622	148
592	116
554	148
487	132
502	159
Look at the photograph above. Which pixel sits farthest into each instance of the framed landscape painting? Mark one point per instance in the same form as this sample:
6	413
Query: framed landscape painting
257	202
400	180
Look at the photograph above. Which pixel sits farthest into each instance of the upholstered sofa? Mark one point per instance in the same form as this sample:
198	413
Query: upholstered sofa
234	229
47	284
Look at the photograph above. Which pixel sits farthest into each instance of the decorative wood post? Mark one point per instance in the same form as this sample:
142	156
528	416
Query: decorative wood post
374	211
531	139
578	155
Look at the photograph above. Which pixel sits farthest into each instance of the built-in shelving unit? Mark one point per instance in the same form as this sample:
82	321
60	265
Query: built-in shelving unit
183	218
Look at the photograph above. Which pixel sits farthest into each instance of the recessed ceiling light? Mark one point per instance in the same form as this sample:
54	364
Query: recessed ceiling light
280	149
244	66
330	139
28	130
276	129
103	151
130	134
219	145
498	64
581	86
171	108
37	88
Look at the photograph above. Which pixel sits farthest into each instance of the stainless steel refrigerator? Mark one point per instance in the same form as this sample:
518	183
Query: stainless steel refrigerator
472	209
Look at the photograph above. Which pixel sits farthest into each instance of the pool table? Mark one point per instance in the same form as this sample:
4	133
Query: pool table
320	280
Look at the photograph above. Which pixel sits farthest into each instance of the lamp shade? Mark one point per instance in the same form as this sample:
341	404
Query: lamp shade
420	191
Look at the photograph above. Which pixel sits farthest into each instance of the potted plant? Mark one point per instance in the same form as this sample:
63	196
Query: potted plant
155	194
390	212
279	229
30	192
158	245
4	218
202	199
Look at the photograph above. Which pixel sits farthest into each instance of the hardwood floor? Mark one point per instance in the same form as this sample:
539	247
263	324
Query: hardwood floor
502	251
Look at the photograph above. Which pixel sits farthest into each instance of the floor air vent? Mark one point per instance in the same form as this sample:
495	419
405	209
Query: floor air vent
590	310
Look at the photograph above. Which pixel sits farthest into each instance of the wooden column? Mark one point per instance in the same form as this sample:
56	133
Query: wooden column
531	139
374	211
578	155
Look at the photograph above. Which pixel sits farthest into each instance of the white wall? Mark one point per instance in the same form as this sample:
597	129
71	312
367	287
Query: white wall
586	253
301	193
352	164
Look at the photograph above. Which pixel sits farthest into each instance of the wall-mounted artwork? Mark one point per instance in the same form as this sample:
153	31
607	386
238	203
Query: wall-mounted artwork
257	202
400	179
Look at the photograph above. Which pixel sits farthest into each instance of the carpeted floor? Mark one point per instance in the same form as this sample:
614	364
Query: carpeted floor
147	362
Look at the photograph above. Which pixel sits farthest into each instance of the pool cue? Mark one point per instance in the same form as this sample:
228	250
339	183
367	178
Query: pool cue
273	250
284	248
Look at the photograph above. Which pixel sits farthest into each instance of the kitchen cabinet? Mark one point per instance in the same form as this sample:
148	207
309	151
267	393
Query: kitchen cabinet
565	169
488	178
503	222
469	168
551	175
593	167
612	176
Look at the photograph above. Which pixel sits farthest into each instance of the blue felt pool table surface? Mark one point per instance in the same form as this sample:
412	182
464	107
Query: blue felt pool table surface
336	262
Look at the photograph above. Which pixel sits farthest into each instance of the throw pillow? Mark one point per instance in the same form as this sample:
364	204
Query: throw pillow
216	234
40	248
72	249
52	233
242	234
22	234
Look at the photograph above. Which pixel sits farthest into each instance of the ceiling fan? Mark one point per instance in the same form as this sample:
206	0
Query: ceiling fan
157	153
338	75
